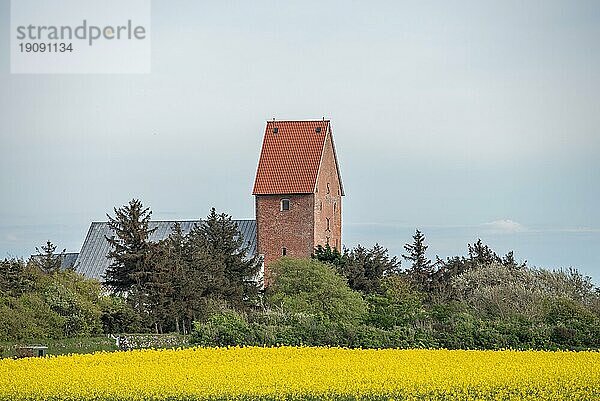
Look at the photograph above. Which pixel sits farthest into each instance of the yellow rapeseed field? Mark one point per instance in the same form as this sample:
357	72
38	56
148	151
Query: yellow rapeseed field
304	373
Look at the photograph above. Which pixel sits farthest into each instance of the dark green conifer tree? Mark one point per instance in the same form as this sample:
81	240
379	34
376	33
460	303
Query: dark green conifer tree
130	252
363	268
240	286
174	256
421	270
14	279
482	254
327	254
47	260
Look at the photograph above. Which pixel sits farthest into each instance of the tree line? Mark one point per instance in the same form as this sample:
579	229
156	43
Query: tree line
363	298
207	284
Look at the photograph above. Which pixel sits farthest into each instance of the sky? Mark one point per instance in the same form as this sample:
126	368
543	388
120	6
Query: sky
472	119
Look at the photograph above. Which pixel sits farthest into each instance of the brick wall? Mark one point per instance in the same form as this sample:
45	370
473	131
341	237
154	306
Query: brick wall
291	229
328	201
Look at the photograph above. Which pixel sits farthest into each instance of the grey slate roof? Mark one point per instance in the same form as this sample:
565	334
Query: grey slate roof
92	261
68	259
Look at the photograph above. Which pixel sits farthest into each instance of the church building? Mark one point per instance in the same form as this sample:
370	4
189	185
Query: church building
298	200
298	190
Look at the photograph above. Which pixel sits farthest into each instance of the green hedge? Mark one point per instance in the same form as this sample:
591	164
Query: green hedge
463	331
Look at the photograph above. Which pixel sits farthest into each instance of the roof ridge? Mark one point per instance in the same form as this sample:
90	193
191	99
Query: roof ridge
178	220
299	121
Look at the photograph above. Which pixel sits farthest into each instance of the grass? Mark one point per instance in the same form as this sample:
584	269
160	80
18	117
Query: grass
83	345
89	345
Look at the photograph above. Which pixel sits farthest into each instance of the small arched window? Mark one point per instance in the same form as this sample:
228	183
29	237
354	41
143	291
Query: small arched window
285	204
283	251
328	229
328	190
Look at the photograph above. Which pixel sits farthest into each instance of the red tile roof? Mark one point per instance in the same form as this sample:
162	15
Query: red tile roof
289	160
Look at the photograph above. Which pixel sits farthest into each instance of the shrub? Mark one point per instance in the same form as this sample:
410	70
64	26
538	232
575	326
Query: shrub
311	287
222	329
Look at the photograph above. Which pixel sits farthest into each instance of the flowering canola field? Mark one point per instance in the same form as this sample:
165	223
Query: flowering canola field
304	374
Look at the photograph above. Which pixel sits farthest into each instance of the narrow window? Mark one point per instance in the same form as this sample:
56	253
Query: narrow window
327	240
327	218
334	206
320	205
283	251
285	204
328	190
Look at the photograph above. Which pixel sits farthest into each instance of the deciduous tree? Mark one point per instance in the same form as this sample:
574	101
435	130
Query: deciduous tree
309	286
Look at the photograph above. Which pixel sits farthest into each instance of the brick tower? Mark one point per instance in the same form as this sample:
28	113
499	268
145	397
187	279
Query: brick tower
298	190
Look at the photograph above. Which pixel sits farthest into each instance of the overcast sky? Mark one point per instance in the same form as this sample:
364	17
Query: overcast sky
465	119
